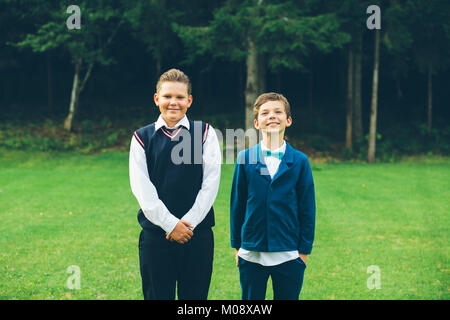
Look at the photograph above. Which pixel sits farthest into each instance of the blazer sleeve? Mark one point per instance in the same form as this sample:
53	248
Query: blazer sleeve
238	201
306	208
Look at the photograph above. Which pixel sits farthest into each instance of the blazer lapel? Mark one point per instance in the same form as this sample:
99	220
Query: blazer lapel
285	163
261	167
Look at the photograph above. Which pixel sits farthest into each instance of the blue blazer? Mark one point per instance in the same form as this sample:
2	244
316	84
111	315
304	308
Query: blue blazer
269	215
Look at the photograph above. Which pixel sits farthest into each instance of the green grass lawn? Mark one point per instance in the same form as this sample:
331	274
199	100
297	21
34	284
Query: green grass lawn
59	210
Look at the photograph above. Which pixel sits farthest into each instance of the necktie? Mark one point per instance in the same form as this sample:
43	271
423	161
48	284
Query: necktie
170	130
268	153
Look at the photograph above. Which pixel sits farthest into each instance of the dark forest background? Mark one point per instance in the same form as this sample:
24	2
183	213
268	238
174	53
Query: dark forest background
302	49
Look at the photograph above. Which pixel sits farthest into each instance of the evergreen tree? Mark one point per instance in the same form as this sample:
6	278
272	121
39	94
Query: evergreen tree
87	46
264	34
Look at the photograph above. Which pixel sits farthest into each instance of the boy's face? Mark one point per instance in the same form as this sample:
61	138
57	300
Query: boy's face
272	118
173	101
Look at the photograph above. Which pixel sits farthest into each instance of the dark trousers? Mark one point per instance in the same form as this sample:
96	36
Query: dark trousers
166	266
287	279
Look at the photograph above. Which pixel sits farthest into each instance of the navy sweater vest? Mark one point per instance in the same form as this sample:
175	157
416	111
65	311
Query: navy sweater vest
175	167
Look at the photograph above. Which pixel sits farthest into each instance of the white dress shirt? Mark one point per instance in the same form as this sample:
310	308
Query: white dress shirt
269	258
146	194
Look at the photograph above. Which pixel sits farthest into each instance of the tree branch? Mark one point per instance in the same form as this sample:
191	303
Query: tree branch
86	76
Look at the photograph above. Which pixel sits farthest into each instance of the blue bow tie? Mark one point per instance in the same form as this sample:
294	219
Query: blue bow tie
268	153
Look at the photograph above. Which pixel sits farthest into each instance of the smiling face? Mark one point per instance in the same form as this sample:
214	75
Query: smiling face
272	118
173	101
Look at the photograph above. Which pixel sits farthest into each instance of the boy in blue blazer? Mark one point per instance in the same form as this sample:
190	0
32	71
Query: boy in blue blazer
272	209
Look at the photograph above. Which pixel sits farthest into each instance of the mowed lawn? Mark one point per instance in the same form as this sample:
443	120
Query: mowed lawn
59	210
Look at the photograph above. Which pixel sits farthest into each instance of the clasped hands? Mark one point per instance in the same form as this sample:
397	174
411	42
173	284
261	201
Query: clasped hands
182	232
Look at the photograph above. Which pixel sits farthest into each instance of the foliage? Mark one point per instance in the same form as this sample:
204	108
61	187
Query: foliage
87	137
421	30
284	31
95	136
395	142
99	23
291	35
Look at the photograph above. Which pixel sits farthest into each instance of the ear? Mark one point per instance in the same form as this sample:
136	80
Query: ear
190	100
288	121
156	98
256	124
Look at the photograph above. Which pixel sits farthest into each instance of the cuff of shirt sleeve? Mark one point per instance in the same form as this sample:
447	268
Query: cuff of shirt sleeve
189	218
169	224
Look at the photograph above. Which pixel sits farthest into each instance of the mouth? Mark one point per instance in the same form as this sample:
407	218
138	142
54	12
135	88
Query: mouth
173	109
273	124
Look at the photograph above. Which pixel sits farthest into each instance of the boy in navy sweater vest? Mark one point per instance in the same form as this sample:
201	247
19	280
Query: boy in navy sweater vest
272	210
174	175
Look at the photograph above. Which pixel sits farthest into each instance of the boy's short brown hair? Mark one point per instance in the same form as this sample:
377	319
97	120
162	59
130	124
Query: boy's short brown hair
271	96
174	75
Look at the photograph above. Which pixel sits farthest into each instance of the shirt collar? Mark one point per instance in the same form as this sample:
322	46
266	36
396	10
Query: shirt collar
280	149
161	123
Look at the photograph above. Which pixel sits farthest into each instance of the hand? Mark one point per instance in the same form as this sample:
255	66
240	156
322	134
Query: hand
237	258
182	232
304	257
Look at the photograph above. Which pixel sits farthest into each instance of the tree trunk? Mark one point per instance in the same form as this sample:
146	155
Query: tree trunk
430	97
261	72
251	87
374	106
74	97
348	135
357	100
